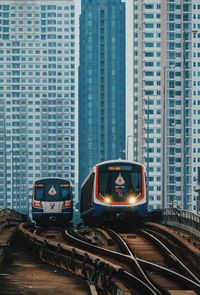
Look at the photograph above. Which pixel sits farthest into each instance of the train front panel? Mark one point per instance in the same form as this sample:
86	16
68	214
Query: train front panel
120	189
52	201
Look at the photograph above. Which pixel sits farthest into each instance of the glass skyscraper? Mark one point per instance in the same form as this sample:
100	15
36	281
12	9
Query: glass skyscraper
101	83
166	99
37	96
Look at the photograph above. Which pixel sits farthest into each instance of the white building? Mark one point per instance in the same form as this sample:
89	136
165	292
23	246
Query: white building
166	99
37	96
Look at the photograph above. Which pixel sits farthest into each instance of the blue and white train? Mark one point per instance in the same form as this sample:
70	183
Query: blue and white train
52	202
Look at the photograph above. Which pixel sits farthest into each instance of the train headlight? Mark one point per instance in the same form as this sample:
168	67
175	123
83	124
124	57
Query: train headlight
107	200
132	200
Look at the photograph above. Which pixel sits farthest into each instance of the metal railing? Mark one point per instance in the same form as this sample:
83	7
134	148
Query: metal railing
10	217
182	219
98	273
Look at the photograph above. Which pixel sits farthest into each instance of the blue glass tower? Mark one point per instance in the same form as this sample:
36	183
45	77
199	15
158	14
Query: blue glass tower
101	83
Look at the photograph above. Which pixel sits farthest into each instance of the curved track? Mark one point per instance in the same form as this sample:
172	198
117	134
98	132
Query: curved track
159	276
166	276
169	254
139	262
102	272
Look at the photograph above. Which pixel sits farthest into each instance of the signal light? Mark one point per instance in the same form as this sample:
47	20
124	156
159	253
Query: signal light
37	204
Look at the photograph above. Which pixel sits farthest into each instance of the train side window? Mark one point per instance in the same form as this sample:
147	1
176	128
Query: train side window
87	193
91	188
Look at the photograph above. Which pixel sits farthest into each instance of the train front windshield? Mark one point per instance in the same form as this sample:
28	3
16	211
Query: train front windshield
120	182
52	192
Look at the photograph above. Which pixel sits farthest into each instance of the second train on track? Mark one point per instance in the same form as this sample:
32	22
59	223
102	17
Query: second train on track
114	190
52	202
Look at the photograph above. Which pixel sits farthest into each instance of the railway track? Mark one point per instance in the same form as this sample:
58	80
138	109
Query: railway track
165	278
124	279
27	274
100	274
24	273
131	263
185	270
179	244
106	261
114	257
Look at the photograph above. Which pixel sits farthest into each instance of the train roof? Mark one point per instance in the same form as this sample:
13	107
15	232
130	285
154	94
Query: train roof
48	178
118	161
109	162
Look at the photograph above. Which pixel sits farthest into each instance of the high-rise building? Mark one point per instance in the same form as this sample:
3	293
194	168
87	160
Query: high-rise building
37	96
166	99
101	83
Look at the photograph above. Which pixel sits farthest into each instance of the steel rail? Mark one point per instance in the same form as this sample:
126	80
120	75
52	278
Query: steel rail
132	255
123	257
153	266
172	255
35	235
93	289
171	273
90	283
107	252
87	264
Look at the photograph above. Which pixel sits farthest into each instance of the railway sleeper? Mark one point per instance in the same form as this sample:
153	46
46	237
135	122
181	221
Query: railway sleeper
184	249
106	277
103	237
93	240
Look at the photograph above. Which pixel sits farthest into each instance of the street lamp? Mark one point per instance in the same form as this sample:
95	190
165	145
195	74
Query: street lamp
164	133
137	145
148	144
197	190
144	146
163	141
5	165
